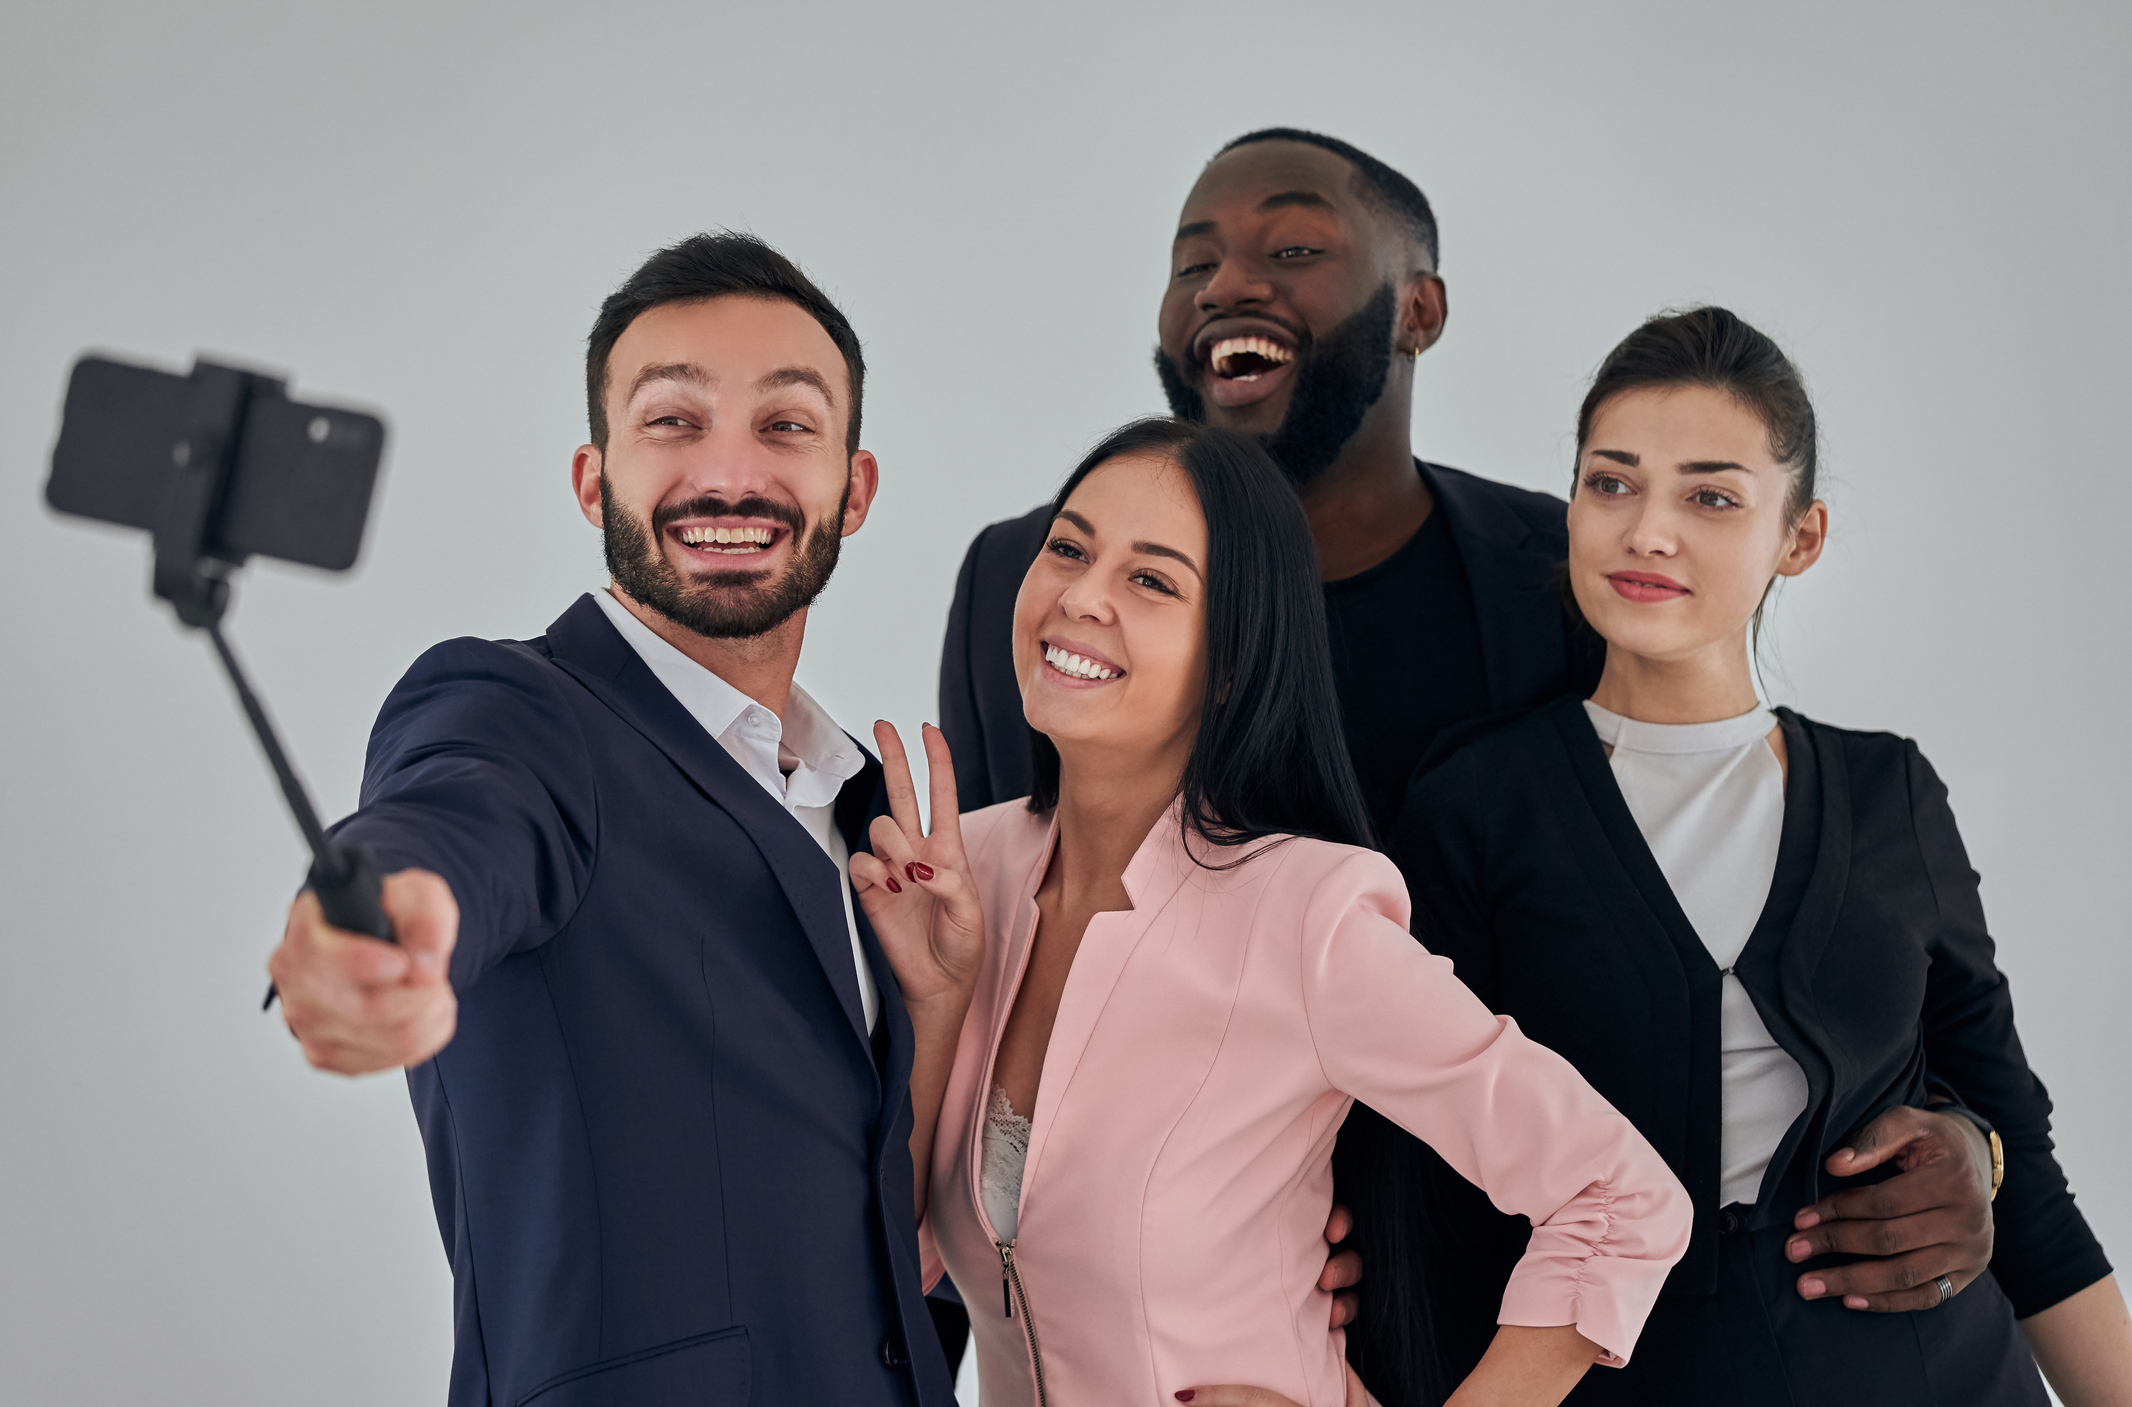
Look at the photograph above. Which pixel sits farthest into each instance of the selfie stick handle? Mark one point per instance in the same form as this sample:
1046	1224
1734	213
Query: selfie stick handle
344	877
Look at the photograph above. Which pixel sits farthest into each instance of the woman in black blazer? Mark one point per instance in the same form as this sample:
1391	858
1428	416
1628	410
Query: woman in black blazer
1539	861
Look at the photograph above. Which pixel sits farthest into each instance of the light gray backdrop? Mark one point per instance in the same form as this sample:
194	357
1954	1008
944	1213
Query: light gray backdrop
419	206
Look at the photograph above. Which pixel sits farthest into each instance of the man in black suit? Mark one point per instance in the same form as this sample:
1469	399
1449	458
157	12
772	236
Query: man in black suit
1302	291
662	1069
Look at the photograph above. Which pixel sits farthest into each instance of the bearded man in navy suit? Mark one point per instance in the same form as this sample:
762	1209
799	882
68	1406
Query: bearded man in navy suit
661	1066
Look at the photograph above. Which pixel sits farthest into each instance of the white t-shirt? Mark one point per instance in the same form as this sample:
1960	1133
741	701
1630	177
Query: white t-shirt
1709	799
820	756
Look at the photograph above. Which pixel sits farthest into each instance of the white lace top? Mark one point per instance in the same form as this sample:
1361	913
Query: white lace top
999	1176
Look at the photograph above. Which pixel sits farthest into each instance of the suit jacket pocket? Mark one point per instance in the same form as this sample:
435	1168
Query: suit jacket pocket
709	1370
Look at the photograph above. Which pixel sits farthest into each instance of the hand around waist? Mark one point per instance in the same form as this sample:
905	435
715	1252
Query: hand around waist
1928	1227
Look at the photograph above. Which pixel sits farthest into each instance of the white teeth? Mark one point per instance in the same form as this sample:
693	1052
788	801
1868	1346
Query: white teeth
1239	346
1076	665
711	537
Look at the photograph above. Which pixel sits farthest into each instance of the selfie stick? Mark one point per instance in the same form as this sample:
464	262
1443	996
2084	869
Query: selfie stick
195	581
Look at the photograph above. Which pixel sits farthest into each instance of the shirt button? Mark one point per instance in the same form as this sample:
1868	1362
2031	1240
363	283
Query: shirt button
891	1352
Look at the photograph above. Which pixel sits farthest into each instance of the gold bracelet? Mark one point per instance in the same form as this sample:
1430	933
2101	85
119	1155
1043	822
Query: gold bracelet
1998	1165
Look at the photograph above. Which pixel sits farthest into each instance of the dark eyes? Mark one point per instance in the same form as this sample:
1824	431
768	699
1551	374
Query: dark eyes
1711	498
1296	251
1152	582
1285	254
1606	485
1071	551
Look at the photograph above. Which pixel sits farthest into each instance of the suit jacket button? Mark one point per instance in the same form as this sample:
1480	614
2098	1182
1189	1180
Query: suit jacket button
891	1353
1727	1223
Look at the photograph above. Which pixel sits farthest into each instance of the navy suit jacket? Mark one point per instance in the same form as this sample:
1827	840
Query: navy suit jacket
669	1165
1510	541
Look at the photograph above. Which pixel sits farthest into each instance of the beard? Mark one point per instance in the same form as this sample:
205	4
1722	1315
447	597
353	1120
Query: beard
719	605
1338	378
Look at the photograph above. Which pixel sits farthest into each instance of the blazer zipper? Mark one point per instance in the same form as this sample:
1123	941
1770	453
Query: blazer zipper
1012	1295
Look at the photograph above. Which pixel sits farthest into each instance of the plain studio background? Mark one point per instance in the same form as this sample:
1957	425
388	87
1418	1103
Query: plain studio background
419	207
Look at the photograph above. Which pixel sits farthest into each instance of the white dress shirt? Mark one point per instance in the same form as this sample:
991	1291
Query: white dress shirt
1709	799
803	762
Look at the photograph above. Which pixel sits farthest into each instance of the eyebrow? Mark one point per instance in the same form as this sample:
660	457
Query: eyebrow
796	376
1277	201
1693	466
688	372
1151	549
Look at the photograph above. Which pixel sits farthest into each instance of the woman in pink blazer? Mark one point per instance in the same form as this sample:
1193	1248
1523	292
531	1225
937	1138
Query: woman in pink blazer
1178	966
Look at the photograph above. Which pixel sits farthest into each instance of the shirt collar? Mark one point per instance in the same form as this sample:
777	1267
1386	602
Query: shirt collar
823	756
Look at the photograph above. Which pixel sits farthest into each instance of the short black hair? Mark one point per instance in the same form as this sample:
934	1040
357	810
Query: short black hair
1268	761
713	266
1391	193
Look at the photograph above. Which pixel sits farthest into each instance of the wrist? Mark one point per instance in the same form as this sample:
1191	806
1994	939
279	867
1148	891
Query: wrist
1987	1153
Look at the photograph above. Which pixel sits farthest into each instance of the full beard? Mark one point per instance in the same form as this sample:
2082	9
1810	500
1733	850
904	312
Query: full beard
719	605
1338	378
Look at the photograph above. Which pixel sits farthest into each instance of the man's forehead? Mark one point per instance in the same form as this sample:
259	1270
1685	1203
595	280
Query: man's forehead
729	338
1250	176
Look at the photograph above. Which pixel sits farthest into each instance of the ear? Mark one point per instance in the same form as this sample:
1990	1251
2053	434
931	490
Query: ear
1425	305
586	466
865	483
1807	540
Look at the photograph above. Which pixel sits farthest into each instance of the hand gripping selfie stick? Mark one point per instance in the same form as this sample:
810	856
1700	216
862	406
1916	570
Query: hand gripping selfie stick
217	466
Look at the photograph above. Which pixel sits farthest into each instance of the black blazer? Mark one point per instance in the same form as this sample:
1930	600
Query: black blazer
1510	541
669	1165
1871	962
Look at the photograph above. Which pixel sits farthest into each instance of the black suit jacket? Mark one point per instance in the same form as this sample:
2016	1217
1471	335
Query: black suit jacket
1509	540
669	1164
1870	961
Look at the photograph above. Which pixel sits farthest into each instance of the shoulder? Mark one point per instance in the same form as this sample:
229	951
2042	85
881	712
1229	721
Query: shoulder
1873	760
1327	879
474	687
1499	749
1472	496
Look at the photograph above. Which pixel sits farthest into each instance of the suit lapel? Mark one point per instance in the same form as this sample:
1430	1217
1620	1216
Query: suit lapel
586	645
1158	870
1815	923
1508	566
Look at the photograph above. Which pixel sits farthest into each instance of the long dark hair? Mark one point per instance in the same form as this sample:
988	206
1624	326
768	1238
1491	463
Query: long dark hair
1270	758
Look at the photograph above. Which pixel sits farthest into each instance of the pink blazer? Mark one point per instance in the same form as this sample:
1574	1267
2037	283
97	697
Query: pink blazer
1209	1042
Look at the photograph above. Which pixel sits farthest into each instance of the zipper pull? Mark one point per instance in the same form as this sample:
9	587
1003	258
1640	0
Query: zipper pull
1006	1264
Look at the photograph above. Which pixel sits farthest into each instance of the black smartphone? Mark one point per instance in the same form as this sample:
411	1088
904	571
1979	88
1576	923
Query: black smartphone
299	478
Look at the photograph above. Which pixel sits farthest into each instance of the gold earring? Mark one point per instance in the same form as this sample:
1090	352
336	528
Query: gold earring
1413	354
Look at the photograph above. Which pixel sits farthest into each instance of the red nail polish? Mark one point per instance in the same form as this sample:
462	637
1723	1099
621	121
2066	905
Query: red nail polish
917	871
893	887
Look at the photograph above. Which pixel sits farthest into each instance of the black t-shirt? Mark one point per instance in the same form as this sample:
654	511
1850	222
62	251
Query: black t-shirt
1406	654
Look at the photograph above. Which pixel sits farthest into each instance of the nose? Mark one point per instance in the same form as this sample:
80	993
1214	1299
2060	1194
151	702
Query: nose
1087	598
1653	532
1237	283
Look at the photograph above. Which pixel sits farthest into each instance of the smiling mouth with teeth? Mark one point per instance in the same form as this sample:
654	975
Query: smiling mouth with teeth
727	540
1247	358
1076	667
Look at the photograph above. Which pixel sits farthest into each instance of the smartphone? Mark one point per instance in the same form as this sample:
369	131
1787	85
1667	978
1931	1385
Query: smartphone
299	483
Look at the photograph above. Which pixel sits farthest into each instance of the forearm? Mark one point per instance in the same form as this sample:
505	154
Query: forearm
936	1028
1527	1368
2083	1344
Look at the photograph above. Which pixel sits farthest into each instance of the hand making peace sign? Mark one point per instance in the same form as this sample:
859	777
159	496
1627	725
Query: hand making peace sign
916	887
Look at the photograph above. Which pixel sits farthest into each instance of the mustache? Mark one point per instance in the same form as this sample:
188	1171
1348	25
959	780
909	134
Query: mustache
713	505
